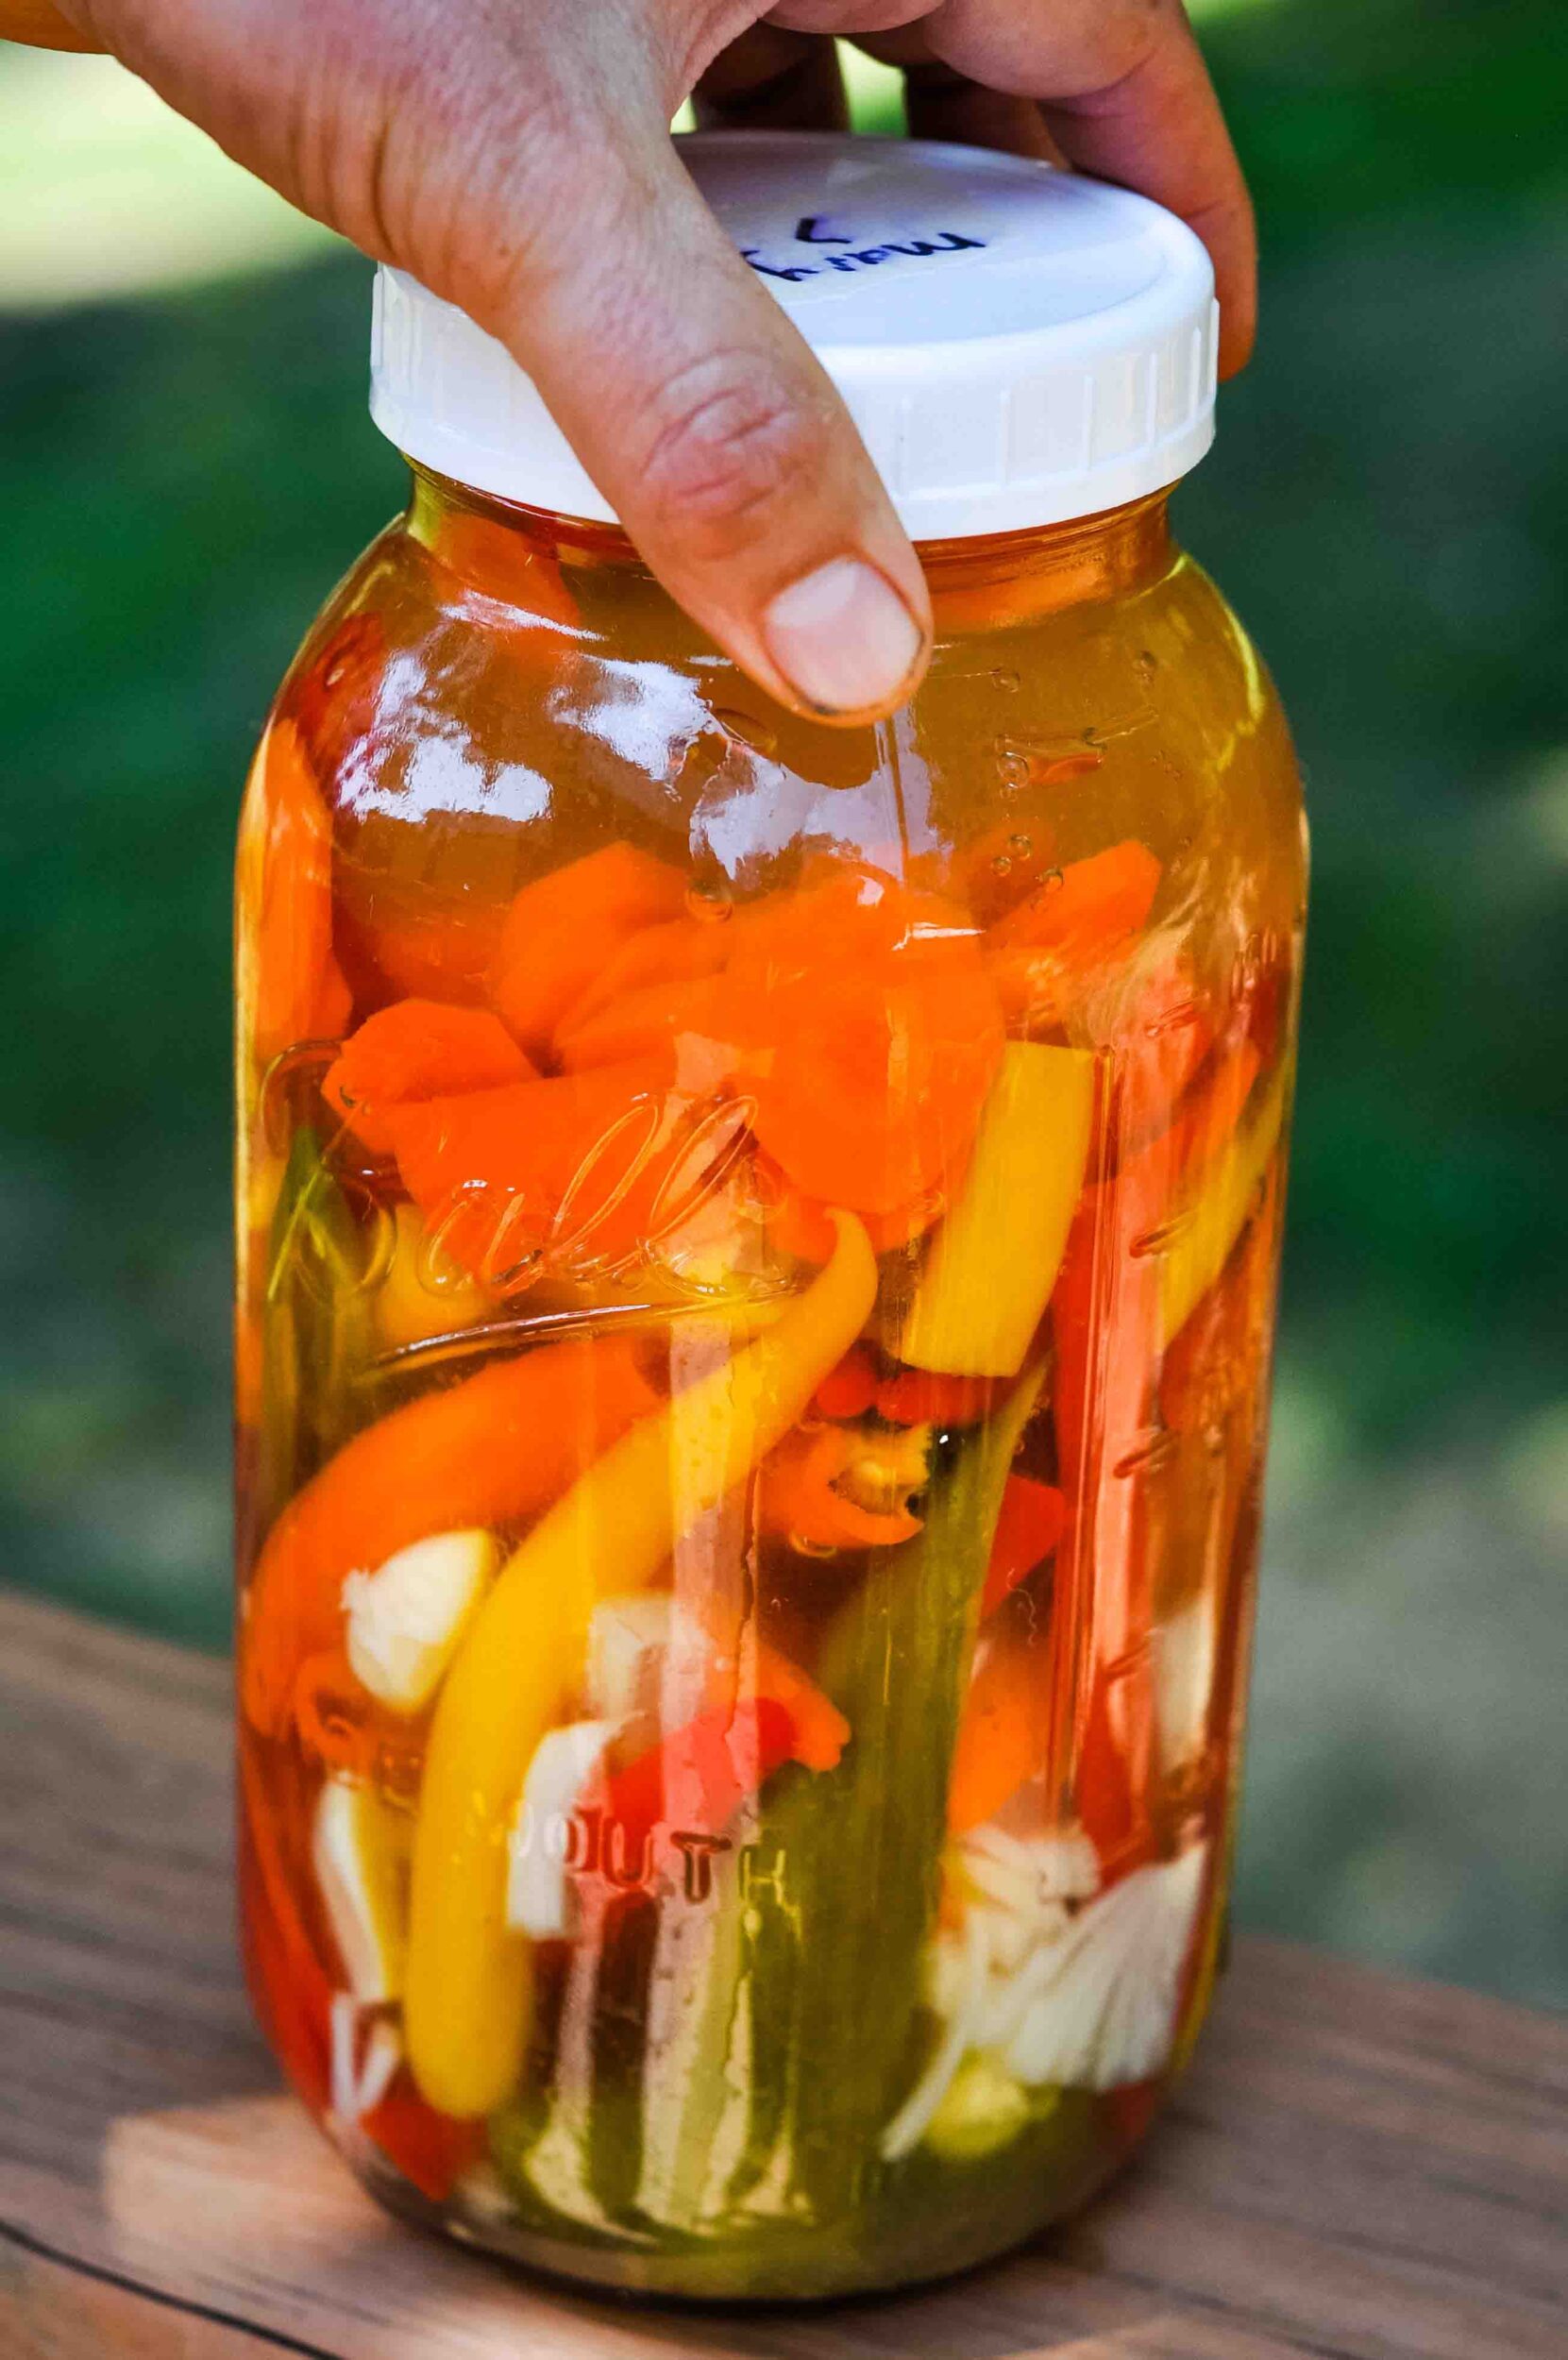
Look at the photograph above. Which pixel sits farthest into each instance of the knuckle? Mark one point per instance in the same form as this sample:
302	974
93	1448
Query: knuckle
452	166
487	205
1120	39
731	445
1070	49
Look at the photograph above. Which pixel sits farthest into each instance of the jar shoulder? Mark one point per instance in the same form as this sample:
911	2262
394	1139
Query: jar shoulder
568	707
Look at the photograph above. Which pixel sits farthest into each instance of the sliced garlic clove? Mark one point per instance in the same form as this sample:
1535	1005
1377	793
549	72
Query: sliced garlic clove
383	2054
627	1641
405	1620
357	2085
343	2023
563	1763
360	1848
1186	1651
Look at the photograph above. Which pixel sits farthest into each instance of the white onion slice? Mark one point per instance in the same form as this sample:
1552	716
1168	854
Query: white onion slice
1102	2001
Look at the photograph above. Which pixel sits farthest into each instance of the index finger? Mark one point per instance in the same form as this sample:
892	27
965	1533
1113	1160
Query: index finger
1159	129
1125	93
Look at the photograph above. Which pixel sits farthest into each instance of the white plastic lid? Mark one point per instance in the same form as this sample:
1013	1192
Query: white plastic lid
1016	344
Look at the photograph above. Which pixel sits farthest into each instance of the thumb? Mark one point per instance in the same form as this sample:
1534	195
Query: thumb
713	433
517	161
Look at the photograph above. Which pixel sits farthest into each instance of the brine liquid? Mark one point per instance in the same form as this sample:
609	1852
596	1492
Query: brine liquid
757	1257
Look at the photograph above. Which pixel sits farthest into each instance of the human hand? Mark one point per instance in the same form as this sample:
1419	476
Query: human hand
514	154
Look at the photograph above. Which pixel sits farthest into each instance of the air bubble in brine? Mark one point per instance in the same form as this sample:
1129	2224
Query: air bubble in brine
711	905
747	729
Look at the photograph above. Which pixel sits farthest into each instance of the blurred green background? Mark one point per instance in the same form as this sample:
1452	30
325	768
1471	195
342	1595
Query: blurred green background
186	467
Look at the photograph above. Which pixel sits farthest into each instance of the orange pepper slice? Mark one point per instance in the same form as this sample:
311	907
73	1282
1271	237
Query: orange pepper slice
1044	952
291	986
575	1162
561	932
414	1051
679	951
650	1022
1086	909
799	1494
870	1035
492	1450
1004	1734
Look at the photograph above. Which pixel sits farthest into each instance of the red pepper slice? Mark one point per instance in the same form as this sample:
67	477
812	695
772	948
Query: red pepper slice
694	1780
1118	1738
287	1979
428	2147
1027	1529
850	1388
925	1397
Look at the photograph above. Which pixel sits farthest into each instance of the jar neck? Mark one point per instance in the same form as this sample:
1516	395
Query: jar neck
1008	579
996	580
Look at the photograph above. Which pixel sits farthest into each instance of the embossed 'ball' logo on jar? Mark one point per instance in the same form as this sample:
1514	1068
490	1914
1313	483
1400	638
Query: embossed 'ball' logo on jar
668	1189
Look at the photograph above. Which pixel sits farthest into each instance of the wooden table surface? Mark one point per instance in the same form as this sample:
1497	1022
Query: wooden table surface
1358	2167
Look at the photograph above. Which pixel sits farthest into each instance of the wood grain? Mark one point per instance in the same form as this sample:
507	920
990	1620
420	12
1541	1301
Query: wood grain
1359	2168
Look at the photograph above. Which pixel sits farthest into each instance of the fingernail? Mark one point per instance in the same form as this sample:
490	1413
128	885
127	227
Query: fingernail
842	637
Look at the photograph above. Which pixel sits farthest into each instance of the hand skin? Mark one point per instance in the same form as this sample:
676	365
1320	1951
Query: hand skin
515	155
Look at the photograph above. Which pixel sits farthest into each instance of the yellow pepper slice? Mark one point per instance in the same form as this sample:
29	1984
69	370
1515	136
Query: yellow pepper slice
467	1994
996	1255
1203	1236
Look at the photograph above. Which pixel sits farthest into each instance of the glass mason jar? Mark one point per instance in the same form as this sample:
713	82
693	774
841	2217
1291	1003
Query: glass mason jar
757	1251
